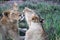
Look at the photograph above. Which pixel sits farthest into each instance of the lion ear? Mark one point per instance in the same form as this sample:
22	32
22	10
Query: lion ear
42	20
6	13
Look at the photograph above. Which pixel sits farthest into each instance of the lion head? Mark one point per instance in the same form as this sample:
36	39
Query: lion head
31	15
11	16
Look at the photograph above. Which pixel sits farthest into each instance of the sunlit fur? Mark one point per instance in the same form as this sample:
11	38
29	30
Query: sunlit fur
35	31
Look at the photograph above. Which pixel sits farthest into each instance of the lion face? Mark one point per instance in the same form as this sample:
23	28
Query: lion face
12	16
31	15
28	12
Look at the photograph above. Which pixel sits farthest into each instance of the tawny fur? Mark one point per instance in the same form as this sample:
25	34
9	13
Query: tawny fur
9	24
35	31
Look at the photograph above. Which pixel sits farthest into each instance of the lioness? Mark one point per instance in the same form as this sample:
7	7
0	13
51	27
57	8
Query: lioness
35	31
9	24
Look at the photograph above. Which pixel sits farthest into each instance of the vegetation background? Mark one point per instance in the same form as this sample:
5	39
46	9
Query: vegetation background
48	10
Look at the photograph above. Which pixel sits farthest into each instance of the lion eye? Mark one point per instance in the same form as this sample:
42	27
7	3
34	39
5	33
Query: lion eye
32	18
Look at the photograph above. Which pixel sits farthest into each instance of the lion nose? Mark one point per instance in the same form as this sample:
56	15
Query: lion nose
19	14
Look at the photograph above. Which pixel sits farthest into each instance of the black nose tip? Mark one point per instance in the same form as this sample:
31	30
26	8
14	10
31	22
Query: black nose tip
20	15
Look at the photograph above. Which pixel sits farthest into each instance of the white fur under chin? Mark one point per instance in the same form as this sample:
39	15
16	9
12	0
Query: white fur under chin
35	32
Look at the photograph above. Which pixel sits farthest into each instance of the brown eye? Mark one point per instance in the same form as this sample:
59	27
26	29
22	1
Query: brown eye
32	18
